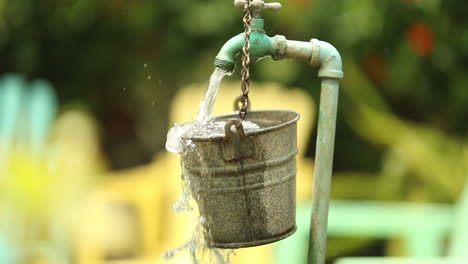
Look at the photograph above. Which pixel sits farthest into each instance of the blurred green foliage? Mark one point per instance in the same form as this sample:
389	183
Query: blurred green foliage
412	55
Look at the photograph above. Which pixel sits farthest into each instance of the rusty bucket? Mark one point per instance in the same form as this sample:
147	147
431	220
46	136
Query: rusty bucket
245	182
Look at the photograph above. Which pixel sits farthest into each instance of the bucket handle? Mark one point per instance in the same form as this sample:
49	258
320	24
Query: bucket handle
236	144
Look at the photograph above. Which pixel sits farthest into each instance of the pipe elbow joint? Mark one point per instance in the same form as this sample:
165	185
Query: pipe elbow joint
328	58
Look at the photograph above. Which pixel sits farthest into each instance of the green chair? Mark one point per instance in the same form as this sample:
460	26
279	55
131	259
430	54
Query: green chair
423	226
457	251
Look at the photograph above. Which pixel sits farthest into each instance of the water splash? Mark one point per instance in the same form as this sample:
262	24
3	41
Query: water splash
200	253
183	204
197	246
178	136
175	135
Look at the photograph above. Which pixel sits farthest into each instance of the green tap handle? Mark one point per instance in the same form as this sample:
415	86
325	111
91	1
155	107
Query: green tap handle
259	5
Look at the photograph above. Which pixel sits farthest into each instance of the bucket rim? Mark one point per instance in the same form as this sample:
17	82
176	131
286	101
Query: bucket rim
249	133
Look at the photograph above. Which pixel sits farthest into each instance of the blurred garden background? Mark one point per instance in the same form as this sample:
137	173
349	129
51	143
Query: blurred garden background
89	89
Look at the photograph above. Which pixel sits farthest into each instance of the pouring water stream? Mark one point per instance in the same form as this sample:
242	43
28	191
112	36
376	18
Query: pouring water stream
206	106
176	143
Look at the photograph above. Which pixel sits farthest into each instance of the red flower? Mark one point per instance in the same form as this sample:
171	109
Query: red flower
421	39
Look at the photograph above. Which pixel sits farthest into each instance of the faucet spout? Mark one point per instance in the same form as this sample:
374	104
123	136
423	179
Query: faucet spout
226	58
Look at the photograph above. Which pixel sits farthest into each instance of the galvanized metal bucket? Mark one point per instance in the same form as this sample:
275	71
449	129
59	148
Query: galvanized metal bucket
245	182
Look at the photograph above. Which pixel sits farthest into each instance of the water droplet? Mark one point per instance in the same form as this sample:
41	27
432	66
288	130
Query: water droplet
149	77
125	88
145	65
153	102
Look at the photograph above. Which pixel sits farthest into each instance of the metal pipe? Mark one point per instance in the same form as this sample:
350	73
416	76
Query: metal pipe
299	50
329	60
323	54
323	170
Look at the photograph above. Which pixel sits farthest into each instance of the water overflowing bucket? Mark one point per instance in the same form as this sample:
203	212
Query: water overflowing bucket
245	182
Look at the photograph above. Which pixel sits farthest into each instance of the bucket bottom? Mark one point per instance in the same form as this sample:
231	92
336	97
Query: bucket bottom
254	243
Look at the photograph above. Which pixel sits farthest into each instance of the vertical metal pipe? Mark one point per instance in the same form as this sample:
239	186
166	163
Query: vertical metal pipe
323	170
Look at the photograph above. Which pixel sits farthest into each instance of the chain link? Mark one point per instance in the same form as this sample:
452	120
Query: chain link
245	85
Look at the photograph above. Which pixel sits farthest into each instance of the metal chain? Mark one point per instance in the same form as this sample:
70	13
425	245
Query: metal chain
246	60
